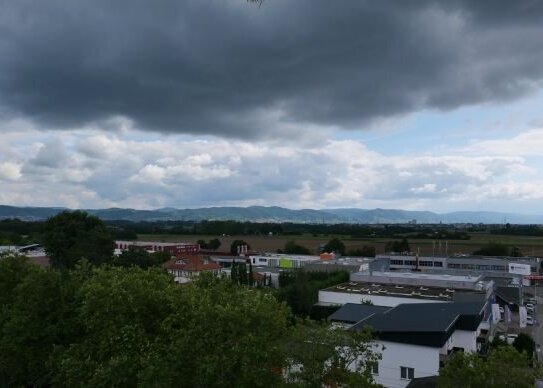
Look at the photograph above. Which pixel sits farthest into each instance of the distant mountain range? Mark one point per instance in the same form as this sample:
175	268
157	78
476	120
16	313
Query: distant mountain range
279	214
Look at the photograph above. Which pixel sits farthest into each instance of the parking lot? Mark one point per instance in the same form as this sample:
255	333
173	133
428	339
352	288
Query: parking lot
534	330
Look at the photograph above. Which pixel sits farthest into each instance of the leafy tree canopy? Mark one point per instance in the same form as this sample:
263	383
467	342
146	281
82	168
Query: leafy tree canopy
113	326
71	236
291	247
335	245
211	244
136	256
398	246
365	251
505	367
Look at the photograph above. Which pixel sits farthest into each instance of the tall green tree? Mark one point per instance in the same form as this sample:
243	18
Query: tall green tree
524	343
335	245
220	335
40	320
398	246
291	247
71	236
121	313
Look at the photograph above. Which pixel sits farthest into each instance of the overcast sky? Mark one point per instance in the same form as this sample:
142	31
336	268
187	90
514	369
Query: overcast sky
427	105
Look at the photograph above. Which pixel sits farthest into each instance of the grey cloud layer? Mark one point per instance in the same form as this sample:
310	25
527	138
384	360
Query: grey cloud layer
99	170
232	69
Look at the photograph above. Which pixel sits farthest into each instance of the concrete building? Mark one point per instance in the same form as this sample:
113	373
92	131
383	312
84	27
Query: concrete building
394	288
491	265
277	260
186	268
417	339
349	264
175	248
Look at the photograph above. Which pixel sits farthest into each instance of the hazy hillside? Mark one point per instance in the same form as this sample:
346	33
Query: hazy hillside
279	214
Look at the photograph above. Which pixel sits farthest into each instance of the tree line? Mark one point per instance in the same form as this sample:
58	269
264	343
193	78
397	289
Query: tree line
114	326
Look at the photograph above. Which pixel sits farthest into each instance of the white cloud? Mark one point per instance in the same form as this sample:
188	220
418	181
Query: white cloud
95	169
529	143
10	171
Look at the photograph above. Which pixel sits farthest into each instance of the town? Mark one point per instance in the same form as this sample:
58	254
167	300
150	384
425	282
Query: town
421	311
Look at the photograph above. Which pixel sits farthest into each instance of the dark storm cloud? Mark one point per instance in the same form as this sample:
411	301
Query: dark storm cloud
235	69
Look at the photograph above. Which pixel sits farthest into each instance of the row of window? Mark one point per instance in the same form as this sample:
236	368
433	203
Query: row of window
422	263
480	267
405	372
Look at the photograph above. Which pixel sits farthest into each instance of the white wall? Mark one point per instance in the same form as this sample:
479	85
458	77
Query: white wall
465	339
378	300
425	361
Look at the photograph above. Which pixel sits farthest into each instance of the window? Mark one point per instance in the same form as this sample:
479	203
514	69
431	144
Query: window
410	262
407	373
396	262
438	264
375	368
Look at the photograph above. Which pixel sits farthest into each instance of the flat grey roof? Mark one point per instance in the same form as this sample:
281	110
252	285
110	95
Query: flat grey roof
392	290
420	275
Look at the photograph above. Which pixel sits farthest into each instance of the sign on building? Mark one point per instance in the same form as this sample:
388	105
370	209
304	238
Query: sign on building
521	269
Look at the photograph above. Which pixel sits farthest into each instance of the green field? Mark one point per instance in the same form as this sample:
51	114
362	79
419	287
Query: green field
529	245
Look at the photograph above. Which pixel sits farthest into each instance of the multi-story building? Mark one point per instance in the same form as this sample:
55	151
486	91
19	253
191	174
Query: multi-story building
185	268
417	339
461	262
277	260
174	248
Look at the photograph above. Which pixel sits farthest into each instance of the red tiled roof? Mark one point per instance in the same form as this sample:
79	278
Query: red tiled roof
191	263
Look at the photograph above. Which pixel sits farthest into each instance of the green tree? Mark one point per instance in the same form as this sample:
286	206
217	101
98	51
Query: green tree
219	335
398	246
13	270
121	312
335	245
71	236
212	244
39	320
235	244
525	344
291	247
321	356
365	251
136	256
516	252
505	367
493	248
112	326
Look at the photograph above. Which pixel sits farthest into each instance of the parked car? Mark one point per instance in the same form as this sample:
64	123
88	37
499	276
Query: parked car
530	308
502	311
530	320
531	300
